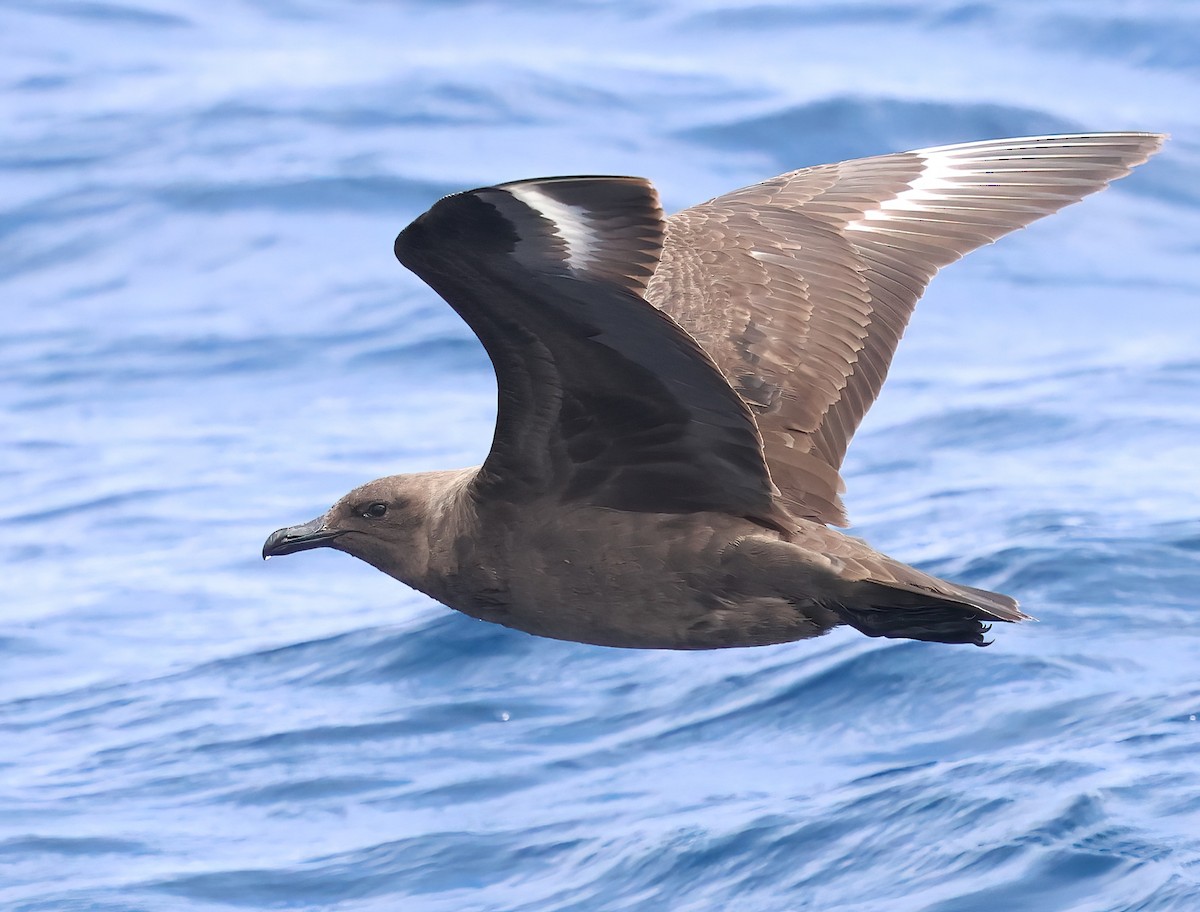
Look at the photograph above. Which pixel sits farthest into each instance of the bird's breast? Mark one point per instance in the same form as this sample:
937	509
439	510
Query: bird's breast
595	575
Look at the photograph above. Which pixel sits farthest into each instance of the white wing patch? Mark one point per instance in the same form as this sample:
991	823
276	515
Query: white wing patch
571	223
989	184
928	193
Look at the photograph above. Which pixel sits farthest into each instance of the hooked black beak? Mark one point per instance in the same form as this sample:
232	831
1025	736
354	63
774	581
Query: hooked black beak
299	538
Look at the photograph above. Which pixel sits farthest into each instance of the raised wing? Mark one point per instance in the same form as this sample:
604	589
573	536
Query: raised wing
602	398
801	287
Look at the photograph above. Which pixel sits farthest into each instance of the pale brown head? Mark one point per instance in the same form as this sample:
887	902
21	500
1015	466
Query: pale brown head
384	522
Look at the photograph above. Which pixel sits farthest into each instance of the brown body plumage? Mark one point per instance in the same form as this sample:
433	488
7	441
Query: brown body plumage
676	396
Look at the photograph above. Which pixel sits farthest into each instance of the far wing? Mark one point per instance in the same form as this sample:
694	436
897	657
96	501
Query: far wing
602	398
801	287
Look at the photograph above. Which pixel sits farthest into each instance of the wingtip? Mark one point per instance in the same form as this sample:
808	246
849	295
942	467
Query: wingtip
1149	141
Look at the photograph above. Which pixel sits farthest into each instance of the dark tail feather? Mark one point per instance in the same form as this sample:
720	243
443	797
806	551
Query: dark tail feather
883	611
998	607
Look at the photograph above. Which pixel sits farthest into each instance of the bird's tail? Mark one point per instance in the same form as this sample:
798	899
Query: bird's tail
960	614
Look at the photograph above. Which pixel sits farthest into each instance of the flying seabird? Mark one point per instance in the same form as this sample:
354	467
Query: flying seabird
676	396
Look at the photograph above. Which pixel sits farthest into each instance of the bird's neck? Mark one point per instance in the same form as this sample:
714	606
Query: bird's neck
448	521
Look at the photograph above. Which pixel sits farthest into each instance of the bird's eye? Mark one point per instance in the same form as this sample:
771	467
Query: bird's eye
375	510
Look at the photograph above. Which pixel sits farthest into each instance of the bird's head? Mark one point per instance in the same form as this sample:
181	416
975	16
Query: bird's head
384	522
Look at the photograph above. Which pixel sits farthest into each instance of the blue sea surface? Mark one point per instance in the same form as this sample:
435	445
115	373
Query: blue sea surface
205	336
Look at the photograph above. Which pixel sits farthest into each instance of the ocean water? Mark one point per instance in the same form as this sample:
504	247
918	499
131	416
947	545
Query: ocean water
205	336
